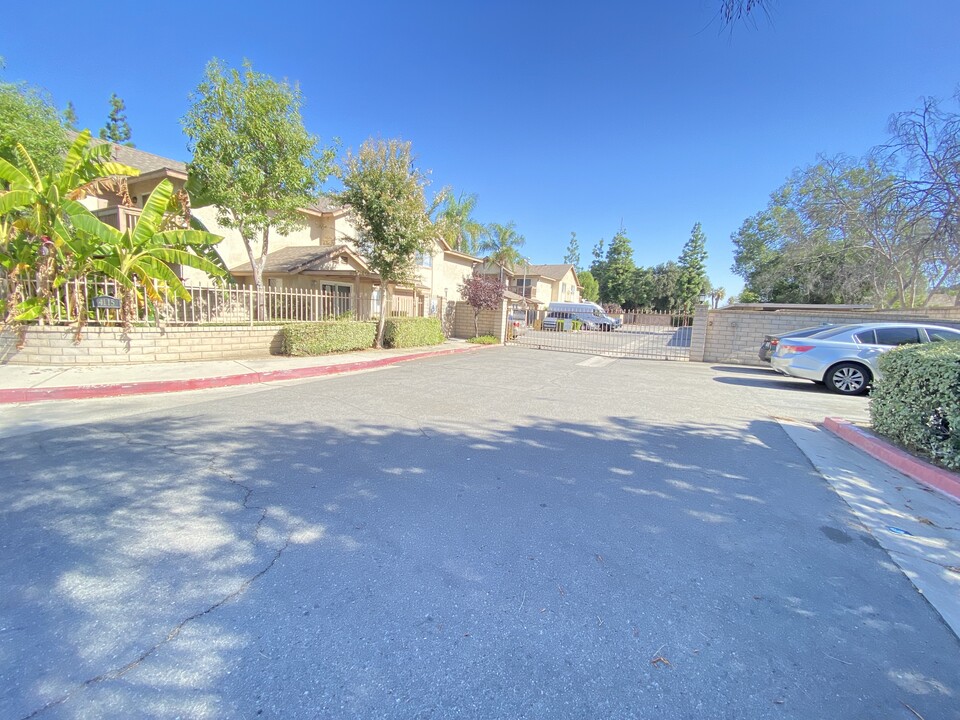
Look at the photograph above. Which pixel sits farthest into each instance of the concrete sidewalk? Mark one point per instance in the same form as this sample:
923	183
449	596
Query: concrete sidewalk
32	383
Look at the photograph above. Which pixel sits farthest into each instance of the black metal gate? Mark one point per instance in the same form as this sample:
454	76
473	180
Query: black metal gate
651	335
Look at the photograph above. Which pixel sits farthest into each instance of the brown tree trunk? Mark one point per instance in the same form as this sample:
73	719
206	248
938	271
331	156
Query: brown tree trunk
382	322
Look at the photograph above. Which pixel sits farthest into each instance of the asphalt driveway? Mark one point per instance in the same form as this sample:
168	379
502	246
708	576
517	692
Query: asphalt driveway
508	534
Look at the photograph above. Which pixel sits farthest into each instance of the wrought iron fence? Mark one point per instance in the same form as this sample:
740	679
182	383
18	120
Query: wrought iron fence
653	335
101	298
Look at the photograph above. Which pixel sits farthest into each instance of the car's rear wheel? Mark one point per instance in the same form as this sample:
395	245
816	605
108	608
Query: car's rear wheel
848	378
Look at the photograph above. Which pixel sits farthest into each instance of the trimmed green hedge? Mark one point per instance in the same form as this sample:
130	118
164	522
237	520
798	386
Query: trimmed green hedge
323	338
916	401
400	332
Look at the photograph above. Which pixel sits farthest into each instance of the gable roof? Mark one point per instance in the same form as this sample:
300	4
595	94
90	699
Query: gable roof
148	163
554	272
297	259
141	160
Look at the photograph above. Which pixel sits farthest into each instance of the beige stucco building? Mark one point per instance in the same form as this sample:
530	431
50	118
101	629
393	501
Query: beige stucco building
321	255
540	284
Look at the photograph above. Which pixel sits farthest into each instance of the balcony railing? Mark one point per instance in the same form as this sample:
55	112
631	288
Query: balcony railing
119	216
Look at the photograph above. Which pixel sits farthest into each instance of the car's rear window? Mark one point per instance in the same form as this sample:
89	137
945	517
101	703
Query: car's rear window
834	331
897	335
943	335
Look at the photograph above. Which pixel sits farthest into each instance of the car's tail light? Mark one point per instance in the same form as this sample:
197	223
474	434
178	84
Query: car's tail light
794	349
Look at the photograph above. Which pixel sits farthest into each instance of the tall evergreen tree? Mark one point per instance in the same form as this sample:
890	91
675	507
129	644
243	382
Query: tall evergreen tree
618	270
573	252
70	116
117	129
693	269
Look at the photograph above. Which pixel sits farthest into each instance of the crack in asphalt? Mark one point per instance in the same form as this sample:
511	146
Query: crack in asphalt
178	628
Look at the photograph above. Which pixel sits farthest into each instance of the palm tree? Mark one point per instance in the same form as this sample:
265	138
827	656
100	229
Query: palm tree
456	224
718	295
502	245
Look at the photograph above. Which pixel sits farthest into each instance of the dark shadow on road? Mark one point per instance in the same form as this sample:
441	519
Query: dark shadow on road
775	381
200	566
746	370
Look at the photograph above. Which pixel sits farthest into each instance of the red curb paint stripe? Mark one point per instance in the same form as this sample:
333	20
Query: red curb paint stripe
923	472
150	387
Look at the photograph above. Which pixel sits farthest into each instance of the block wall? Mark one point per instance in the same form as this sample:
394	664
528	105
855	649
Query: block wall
104	346
735	336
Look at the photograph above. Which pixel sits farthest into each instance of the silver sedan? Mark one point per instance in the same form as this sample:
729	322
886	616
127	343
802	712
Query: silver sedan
844	358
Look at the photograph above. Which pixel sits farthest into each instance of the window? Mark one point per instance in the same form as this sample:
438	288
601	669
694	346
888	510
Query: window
335	299
424	259
943	335
867	338
898	336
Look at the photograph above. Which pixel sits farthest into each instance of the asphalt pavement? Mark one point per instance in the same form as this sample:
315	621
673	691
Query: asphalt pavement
506	534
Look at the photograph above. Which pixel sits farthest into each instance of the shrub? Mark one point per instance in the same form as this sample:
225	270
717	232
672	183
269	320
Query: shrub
323	338
916	401
412	332
485	340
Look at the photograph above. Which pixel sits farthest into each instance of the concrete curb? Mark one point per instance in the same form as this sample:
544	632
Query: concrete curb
148	387
923	472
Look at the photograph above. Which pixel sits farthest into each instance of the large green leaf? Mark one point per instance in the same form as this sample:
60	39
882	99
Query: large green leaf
114	168
90	223
11	174
156	269
182	257
187	238
151	217
15	200
110	268
75	154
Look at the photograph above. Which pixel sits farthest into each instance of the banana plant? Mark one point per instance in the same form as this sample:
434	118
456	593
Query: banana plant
37	211
139	259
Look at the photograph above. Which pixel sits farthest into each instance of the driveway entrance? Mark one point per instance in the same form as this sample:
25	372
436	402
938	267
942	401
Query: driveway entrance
654	336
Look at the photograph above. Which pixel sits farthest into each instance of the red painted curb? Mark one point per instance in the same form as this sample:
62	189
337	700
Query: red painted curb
149	387
920	470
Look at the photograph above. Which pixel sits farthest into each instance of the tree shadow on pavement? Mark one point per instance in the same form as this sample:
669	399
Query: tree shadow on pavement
175	566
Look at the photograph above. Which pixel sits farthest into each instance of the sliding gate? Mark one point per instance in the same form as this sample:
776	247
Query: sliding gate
656	336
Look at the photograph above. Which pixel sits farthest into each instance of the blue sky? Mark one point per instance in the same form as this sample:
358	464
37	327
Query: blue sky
561	117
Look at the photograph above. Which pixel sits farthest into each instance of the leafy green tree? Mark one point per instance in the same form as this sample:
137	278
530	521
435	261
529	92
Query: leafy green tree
385	192
573	252
598	267
456	224
143	254
70	116
252	157
502	245
693	268
666	287
617	284
29	118
642	293
117	129
590	288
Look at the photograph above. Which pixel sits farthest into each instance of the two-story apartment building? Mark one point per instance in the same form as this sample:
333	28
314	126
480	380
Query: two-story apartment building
321	255
540	285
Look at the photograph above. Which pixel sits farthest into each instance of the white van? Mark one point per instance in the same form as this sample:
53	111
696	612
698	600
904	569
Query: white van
590	314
